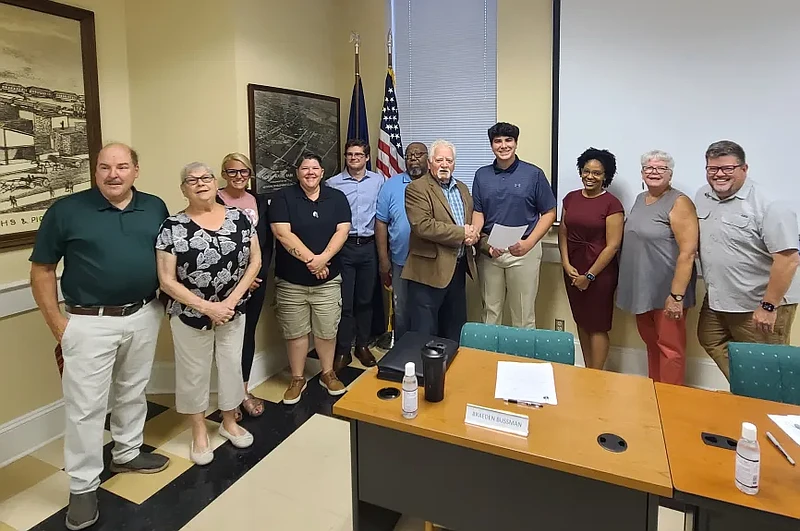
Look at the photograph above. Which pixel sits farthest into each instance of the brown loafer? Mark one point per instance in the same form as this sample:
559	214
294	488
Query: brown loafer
342	360
365	357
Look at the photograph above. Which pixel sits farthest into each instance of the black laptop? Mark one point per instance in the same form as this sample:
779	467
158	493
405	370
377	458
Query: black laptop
409	348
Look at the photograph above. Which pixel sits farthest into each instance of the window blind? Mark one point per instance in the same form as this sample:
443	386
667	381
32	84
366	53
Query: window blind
446	71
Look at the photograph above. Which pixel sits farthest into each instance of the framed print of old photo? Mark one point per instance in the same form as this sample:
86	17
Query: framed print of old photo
49	111
284	124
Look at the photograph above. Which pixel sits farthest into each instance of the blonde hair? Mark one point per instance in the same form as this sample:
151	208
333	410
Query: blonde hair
238	157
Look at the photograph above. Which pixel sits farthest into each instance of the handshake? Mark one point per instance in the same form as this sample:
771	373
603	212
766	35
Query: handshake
471	235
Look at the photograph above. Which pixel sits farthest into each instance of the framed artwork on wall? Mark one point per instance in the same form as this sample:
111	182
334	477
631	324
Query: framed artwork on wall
284	124
49	111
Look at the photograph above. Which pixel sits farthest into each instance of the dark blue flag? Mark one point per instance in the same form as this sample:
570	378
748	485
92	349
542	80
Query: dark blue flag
357	125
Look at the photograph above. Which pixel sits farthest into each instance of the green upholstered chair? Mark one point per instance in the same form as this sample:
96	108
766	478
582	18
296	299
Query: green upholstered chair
770	372
548	345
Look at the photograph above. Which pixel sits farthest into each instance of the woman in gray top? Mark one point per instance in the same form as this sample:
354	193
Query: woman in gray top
656	271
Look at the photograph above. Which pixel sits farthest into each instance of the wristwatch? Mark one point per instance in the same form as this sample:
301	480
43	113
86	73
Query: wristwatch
678	298
767	306
590	277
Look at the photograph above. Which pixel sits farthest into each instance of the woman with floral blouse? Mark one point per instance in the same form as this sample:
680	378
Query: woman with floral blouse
208	256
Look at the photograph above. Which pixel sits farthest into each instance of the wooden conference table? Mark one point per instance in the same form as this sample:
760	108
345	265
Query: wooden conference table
463	477
702	475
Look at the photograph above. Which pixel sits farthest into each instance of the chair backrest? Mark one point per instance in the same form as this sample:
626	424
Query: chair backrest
558	347
770	372
480	336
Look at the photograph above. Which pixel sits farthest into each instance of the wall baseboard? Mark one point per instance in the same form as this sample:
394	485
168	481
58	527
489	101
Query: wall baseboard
702	373
26	434
265	366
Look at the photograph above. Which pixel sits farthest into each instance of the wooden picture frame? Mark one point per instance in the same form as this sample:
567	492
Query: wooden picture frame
49	112
284	124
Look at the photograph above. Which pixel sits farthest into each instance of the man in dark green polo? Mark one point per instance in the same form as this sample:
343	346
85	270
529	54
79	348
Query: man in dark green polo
106	236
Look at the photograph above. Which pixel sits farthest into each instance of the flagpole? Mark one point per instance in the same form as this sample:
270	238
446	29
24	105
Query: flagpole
389	47
386	341
355	38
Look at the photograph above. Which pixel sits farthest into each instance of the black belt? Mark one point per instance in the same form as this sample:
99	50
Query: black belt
110	311
360	240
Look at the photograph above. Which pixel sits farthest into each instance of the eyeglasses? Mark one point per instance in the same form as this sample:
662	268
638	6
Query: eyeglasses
726	170
593	173
354	155
661	170
411	155
231	172
205	179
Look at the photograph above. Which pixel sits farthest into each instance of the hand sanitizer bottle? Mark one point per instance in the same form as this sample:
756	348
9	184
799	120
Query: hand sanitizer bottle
410	391
748	460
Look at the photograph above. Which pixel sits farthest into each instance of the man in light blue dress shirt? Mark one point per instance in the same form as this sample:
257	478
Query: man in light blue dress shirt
392	231
358	256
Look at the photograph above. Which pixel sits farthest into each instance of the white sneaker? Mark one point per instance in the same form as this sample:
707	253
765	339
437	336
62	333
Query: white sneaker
244	440
203	457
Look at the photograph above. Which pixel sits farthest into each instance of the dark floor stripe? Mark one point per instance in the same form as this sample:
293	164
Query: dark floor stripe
176	504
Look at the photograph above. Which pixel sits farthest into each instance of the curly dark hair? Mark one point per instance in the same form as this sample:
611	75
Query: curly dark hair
604	157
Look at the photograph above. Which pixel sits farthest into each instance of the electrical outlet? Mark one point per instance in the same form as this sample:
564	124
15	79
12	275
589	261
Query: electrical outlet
560	325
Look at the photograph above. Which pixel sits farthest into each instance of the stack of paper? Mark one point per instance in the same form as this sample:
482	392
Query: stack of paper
789	424
526	382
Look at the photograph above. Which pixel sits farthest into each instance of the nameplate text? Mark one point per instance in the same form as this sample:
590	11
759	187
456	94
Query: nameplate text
495	419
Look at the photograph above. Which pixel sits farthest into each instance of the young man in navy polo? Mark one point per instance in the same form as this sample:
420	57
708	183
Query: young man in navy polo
513	193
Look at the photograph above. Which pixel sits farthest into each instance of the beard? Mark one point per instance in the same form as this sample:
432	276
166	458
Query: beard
415	171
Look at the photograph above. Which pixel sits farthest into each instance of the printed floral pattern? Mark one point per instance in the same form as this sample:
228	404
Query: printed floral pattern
210	263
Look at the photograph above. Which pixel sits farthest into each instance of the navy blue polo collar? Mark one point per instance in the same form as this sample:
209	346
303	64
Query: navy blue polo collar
510	169
324	192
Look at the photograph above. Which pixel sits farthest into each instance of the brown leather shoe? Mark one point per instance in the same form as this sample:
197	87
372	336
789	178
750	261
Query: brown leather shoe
342	360
365	356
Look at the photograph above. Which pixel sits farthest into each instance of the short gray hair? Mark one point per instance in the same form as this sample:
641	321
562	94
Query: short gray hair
441	143
724	148
657	154
193	166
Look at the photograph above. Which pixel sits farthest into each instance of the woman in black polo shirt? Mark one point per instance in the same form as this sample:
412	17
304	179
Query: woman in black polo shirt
208	256
311	222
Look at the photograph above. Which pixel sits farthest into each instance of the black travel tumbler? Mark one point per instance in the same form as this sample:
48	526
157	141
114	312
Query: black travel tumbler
433	369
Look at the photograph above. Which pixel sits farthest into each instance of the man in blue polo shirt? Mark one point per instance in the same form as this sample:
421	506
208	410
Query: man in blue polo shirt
513	193
392	231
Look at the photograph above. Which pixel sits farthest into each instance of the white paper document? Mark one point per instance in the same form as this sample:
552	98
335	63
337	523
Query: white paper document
789	424
503	237
528	382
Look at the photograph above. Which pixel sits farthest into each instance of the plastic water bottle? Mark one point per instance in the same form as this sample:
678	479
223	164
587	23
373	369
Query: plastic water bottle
410	391
748	460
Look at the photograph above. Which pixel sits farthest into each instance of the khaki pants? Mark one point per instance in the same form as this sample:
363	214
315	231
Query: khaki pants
194	351
715	329
515	278
102	352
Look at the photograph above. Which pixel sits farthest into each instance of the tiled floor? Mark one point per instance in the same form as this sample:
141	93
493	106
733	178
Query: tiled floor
296	476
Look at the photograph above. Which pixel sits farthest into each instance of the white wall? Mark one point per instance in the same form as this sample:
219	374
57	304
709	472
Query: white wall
637	75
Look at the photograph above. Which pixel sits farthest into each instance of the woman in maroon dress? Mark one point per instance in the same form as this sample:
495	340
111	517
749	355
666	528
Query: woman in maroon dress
589	237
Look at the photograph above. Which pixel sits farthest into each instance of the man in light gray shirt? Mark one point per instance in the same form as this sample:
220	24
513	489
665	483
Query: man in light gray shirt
749	258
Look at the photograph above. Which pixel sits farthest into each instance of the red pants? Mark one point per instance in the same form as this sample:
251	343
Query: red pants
666	345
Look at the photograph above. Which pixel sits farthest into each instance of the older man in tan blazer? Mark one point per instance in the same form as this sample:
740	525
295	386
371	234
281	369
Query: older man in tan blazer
439	210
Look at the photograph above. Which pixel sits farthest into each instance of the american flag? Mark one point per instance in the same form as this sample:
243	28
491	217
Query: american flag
390	148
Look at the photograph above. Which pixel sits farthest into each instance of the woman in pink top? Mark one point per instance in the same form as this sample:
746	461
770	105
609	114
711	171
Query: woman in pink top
237	171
